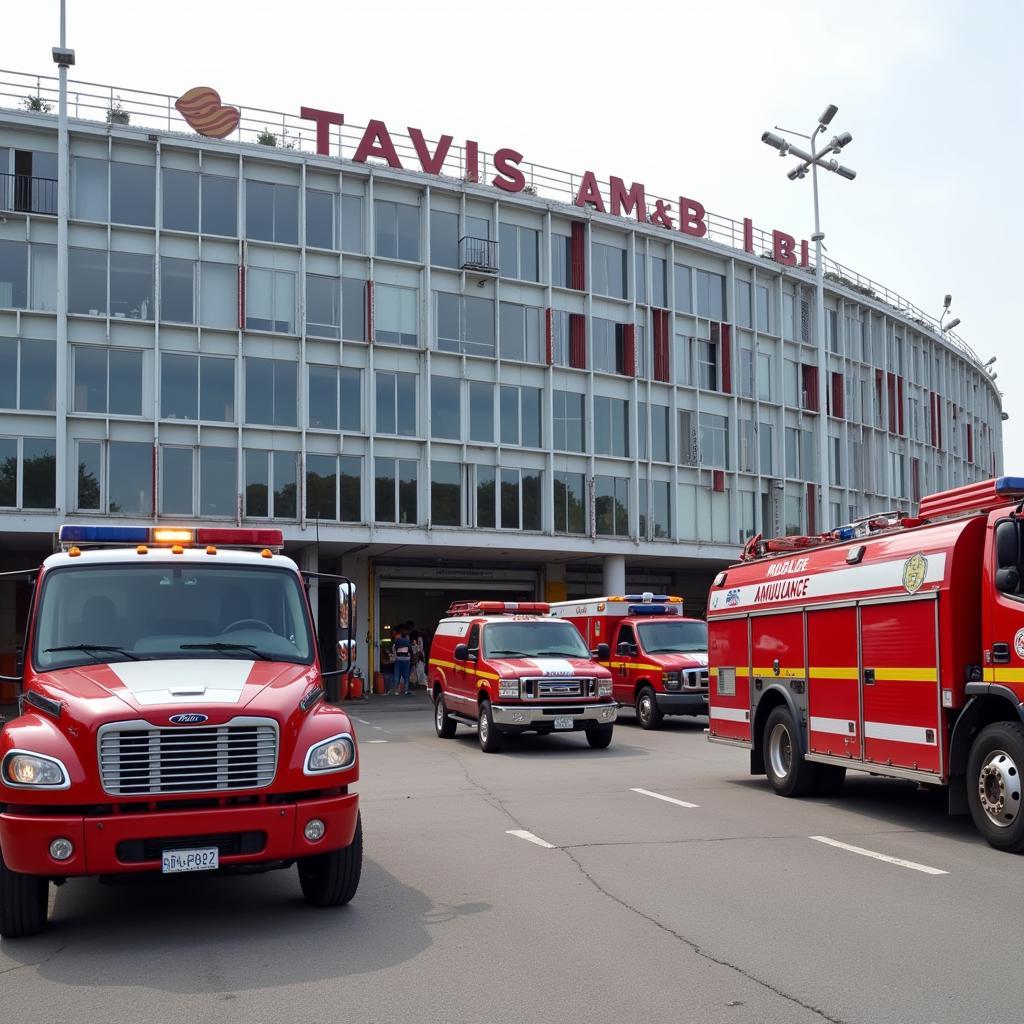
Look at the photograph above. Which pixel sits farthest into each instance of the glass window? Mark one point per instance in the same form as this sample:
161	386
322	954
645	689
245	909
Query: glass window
216	389
570	503
764	319
8	472
659	282
611	506
398	230
180	200
256	493
272	212
319	219
683	297
714	440
179	386
44	277
219	205
218	471
444	408
87	281
765	435
445	494
444	238
608	270
352	237
465	324
764	376
218	295
659	433
520	415
394	315
791	382
351	482
396	403
89	188
707	365
9	373
260	468
323	306
353	309
90	475
710	295
270	300
37	375
177	290
611	426
746	372
519	247
521	332
788	316
99	372
743	312
481	411
640	275
561	260
132	194
131	286
39	473
270	391
350	383
322	487
130	479
395	491
568	421
323	397
176	481
13	274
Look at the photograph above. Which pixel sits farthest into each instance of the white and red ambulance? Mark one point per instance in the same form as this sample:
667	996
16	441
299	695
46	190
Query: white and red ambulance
893	646
659	659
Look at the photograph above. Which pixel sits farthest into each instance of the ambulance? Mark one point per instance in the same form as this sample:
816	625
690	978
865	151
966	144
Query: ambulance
172	718
894	646
509	667
658	661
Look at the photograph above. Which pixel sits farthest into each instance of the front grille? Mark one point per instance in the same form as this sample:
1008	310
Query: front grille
695	679
556	688
138	759
230	844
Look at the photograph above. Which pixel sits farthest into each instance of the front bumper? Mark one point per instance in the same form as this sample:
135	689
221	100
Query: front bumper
25	838
529	716
682	703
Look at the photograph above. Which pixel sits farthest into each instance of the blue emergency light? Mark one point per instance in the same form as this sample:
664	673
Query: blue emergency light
104	534
1010	485
650	609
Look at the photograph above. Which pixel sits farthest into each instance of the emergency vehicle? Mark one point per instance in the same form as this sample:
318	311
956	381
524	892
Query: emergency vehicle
659	660
172	718
894	646
511	667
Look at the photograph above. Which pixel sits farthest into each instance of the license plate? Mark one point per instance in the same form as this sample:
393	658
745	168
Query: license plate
563	722
205	859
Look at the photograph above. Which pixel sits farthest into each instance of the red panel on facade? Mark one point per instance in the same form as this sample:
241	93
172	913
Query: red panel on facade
838	408
890	388
970	443
629	350
577	257
725	334
718	481
661	327
578	341
899	403
548	335
809	383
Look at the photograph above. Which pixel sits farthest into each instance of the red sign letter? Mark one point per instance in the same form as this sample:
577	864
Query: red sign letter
748	235
589	193
430	164
506	160
623	201
472	161
662	214
324	119
783	246
691	218
805	256
377	142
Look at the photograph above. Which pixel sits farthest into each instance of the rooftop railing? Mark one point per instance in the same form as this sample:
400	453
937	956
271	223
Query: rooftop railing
156	112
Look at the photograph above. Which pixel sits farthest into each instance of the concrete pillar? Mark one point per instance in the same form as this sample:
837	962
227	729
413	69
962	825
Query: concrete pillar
614	574
356	568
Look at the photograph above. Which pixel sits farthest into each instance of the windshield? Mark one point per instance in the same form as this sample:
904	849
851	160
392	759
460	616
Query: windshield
674	636
537	639
109	613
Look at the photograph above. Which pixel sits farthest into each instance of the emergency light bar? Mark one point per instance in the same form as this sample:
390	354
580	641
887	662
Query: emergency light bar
160	536
648	598
499	608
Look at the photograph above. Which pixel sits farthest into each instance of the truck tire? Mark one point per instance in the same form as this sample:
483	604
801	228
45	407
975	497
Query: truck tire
444	724
648	714
23	903
331	879
995	793
599	736
491	740
788	772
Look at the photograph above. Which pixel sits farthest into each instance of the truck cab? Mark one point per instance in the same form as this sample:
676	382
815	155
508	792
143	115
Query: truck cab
509	667
172	718
658	657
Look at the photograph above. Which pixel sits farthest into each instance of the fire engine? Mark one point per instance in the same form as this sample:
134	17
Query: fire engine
172	718
510	667
894	646
659	660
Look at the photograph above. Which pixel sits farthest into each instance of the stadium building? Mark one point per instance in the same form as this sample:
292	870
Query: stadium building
441	370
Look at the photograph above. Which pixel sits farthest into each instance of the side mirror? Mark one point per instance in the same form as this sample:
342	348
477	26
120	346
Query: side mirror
346	652
604	652
624	649
1008	580
347	623
461	652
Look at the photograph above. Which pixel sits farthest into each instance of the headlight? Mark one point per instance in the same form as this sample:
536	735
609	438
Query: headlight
333	755
604	687
671	680
22	768
508	688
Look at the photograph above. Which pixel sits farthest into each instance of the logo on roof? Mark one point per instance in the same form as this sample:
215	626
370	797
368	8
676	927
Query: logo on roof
915	569
204	111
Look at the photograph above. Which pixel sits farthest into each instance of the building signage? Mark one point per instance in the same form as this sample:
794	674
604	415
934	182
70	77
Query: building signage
204	111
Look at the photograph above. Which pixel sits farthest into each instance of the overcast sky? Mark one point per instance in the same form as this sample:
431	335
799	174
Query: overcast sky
673	95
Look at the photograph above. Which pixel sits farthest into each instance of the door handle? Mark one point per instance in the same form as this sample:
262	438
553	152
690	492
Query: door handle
1001	654
869	677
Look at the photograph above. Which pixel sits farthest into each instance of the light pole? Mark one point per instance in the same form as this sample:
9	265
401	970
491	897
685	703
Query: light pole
946	303
812	161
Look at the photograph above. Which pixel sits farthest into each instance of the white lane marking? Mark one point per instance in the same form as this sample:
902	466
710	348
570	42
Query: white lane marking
376	741
362	721
521	833
729	714
667	799
898	861
378	727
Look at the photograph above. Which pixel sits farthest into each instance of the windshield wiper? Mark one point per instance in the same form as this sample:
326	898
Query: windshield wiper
505	654
92	649
220	646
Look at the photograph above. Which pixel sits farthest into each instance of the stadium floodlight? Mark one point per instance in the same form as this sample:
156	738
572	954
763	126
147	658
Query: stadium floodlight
947	301
826	118
846	172
952	323
991	361
840	141
776	142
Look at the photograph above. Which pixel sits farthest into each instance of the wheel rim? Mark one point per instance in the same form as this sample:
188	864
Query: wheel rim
780	751
483	726
439	713
643	707
999	788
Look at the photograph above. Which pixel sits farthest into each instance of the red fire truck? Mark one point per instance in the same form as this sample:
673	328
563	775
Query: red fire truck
894	646
659	660
509	667
172	719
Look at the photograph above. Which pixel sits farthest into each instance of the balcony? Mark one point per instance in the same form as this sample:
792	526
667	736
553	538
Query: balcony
24	194
478	254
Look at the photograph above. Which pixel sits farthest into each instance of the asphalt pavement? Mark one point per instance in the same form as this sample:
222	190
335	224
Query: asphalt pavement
653	881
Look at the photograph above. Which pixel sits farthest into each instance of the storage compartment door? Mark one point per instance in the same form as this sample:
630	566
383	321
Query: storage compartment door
729	680
833	684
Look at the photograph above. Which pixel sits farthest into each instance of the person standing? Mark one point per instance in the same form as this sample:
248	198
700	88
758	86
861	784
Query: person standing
419	668
402	648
